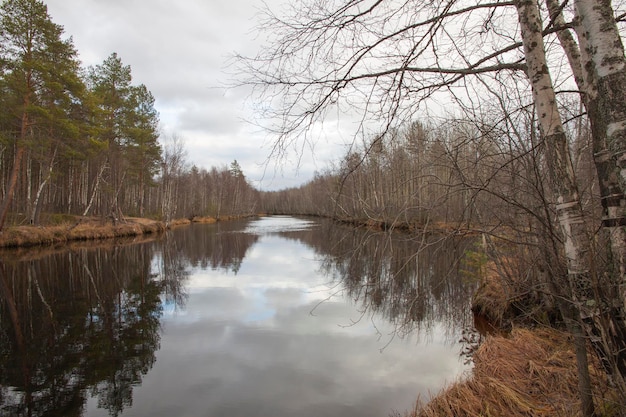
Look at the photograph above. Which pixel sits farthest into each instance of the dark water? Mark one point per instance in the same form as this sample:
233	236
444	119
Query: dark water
270	317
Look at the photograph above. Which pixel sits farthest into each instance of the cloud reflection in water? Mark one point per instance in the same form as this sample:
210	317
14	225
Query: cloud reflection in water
278	339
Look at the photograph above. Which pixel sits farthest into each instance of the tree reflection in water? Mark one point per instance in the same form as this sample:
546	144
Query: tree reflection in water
412	281
86	321
73	322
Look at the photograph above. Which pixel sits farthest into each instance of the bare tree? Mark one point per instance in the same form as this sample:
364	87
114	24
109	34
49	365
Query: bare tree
380	63
172	168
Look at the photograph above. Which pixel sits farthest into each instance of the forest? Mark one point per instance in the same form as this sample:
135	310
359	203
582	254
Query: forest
527	153
86	141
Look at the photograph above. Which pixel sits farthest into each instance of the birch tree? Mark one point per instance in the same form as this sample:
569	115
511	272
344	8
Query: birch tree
172	167
591	62
563	183
598	30
604	76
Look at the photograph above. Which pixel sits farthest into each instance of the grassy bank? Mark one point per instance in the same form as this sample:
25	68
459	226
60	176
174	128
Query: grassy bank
522	369
78	229
527	373
397	224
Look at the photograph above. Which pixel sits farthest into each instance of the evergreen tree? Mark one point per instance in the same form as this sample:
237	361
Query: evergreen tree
40	85
130	129
143	150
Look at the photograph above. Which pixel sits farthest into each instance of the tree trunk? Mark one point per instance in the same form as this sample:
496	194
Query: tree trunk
95	188
603	43
603	60
561	177
8	199
36	208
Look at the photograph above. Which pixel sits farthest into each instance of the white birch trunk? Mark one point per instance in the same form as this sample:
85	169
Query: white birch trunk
613	202
562	180
34	214
603	59
604	45
95	188
29	183
70	188
561	170
603	48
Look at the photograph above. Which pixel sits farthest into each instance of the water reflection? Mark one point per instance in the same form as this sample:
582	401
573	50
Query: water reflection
222	245
413	282
237	318
85	320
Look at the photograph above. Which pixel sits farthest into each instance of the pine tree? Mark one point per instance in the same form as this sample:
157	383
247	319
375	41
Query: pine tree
40	83
143	150
111	86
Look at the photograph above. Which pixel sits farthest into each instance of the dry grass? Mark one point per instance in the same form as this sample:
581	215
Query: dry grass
504	301
529	373
76	228
492	300
180	222
82	229
208	220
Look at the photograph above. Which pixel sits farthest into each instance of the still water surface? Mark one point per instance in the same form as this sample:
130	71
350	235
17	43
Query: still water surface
276	316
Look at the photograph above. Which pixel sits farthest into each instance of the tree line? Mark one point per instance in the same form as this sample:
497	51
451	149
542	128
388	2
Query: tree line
86	141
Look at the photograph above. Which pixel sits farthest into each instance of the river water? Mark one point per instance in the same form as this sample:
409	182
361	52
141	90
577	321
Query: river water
276	316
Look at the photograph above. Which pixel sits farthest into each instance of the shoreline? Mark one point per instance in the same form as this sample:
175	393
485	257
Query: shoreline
521	368
528	372
83	229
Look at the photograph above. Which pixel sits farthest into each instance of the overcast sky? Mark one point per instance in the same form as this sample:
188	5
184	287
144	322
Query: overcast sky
179	50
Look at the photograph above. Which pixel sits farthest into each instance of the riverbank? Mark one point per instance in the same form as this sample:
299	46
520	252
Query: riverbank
398	224
78	228
521	369
530	372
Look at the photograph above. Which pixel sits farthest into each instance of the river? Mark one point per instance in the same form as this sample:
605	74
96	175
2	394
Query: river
275	316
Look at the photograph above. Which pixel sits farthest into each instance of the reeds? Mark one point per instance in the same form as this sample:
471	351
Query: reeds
529	373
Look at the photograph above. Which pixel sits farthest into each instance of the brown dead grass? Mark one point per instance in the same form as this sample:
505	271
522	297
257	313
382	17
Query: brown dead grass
492	299
208	220
529	373
76	228
506	301
81	230
180	222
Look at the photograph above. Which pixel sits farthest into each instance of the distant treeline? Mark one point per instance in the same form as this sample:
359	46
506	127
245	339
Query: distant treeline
461	174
